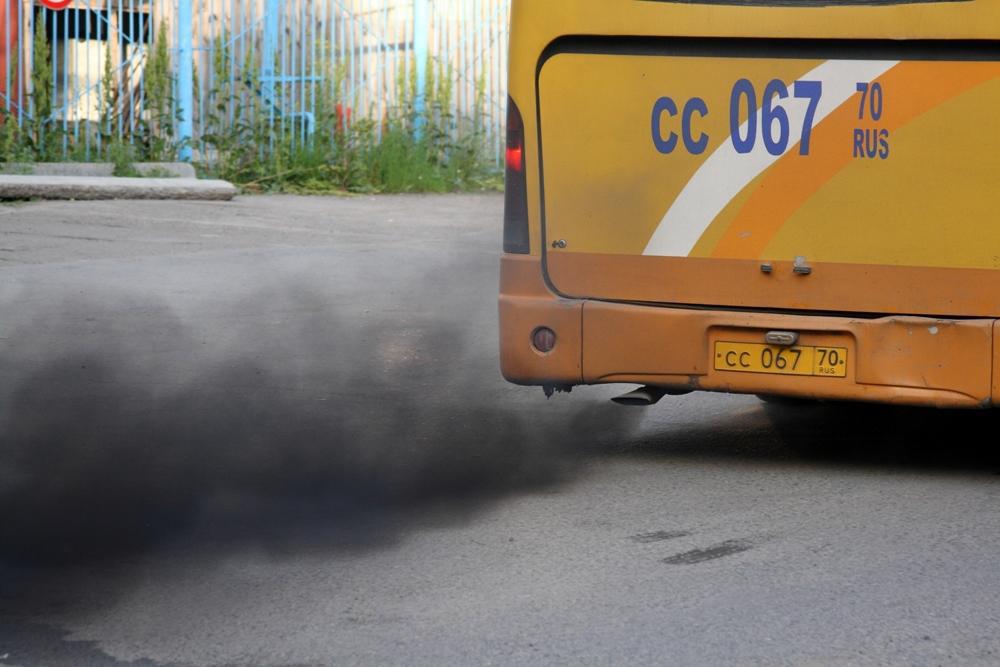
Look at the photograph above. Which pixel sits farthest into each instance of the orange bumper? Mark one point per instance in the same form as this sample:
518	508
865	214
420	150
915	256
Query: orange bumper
911	360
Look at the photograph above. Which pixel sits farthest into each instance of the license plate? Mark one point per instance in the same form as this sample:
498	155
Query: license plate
796	360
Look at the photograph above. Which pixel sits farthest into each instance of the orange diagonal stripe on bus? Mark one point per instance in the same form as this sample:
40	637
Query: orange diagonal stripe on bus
795	178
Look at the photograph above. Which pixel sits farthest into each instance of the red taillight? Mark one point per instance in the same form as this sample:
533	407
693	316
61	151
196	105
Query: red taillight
515	158
515	204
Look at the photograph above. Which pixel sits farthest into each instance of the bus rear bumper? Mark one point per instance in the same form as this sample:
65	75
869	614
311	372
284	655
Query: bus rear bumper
903	360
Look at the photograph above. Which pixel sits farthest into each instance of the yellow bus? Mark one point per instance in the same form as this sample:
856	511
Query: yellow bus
792	198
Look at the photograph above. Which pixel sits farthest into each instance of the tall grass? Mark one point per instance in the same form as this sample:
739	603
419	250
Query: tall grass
405	151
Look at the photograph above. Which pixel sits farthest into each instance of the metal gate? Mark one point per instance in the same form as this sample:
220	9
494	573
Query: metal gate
101	72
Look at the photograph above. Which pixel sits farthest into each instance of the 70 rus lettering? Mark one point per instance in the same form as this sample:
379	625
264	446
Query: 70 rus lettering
871	142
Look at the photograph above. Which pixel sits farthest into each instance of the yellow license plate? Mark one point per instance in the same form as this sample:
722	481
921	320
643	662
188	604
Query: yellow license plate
795	360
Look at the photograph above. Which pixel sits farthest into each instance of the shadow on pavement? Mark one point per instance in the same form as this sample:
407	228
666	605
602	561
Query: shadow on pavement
838	435
28	643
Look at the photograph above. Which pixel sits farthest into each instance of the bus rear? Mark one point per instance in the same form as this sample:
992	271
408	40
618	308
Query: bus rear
794	199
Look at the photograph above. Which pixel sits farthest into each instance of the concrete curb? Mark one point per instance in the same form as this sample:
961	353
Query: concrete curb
83	187
147	169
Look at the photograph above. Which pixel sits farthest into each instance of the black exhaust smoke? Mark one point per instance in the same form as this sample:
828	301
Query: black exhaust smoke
125	423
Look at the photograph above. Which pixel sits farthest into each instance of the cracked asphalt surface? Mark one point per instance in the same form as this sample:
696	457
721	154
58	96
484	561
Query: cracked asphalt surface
272	432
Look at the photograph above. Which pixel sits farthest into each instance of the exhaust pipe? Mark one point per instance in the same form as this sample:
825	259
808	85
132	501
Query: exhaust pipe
649	395
642	396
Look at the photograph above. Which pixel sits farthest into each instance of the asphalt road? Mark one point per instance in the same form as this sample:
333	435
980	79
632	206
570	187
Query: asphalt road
272	432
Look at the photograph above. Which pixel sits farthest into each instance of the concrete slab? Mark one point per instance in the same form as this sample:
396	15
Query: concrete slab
153	169
15	186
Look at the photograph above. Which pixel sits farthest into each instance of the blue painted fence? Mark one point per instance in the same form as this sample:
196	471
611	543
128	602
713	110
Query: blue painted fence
274	58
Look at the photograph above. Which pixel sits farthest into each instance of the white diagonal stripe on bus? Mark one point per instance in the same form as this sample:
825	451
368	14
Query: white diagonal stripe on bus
725	173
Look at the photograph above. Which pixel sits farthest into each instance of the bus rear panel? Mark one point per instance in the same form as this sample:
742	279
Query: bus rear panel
797	199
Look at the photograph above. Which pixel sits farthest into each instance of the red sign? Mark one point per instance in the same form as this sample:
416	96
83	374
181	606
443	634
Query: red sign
57	4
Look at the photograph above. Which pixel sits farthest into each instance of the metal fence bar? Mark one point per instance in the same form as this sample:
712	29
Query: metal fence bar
185	78
362	57
89	90
288	83
65	80
315	69
382	61
283	56
304	125
421	45
23	64
7	65
30	63
127	80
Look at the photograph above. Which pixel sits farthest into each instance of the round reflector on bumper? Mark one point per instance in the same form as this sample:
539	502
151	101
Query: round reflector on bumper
543	339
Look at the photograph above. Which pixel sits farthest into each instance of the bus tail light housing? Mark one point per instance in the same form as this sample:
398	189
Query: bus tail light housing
515	205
